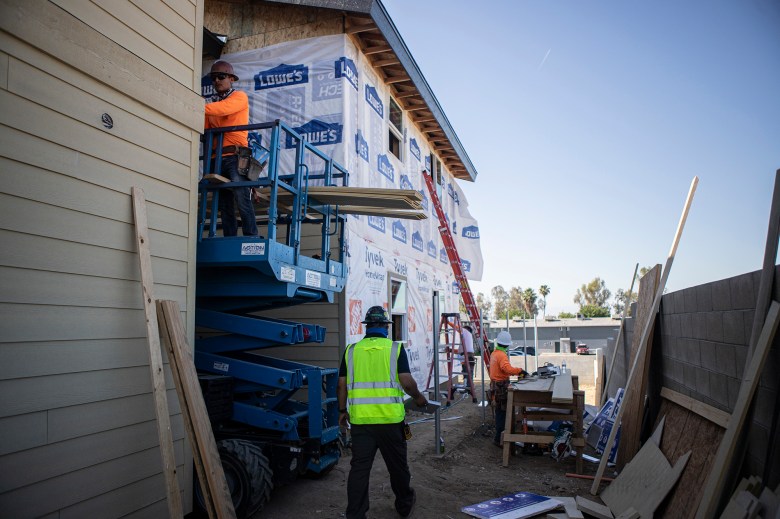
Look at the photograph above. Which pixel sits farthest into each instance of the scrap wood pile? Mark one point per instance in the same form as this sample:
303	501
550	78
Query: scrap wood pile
690	470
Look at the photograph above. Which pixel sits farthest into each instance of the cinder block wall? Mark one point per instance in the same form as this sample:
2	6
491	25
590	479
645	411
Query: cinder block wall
700	350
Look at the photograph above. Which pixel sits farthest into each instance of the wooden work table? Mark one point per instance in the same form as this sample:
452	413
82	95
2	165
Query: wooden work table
527	397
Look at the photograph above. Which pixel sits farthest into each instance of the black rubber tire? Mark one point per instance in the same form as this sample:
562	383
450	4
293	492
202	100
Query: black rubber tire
248	475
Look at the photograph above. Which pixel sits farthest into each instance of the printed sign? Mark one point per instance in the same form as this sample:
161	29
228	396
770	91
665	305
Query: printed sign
281	76
471	232
399	231
326	84
372	98
431	249
253	249
313	279
385	167
417	241
316	132
377	222
361	146
345	68
288	274
414	148
355	316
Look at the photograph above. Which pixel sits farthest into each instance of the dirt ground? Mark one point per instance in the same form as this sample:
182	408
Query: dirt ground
468	472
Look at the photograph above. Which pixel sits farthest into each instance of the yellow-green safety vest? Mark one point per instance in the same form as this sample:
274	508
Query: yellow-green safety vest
374	393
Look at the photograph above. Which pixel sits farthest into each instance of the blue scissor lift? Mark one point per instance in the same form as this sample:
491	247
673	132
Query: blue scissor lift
274	419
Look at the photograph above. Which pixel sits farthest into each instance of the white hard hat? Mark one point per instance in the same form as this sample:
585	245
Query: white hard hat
504	339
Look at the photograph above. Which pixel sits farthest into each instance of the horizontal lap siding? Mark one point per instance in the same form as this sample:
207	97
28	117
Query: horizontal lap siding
78	434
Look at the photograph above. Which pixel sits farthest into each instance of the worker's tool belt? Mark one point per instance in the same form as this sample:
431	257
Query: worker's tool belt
499	391
247	165
230	150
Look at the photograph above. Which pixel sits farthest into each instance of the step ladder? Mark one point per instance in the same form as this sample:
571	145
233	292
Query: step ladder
480	335
452	344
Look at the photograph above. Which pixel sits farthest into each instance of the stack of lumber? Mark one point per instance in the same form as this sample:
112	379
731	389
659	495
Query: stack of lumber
394	203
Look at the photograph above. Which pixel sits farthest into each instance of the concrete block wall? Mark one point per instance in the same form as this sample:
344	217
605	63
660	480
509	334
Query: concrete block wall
703	346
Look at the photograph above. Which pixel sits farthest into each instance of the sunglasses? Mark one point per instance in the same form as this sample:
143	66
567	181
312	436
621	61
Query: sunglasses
220	76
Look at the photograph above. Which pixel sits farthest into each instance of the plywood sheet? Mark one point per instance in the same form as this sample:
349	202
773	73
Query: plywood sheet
645	482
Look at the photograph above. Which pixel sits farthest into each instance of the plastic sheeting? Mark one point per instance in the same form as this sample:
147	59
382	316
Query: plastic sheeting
327	91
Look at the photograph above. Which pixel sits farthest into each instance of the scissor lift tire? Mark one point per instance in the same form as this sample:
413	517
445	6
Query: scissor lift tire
248	474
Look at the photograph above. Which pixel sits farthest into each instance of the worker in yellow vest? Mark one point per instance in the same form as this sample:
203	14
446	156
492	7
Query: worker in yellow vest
373	377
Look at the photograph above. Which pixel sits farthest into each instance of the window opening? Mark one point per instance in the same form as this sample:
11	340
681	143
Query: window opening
395	129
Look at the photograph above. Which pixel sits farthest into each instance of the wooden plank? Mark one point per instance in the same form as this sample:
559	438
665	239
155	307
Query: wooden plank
712	414
381	211
636	387
357	196
533	384
155	356
715	486
647	325
562	389
204	448
213	178
595	509
570	505
605	391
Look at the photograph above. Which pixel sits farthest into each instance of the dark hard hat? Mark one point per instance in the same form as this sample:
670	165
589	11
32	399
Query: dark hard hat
223	67
376	315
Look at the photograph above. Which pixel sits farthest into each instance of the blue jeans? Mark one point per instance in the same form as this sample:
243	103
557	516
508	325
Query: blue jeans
241	196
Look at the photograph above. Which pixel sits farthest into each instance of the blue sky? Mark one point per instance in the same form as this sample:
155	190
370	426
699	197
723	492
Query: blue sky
587	121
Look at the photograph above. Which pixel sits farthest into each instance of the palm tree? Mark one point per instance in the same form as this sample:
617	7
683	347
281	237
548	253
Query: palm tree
544	290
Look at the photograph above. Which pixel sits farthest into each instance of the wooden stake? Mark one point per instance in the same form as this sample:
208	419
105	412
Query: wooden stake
155	356
208	465
605	392
645	331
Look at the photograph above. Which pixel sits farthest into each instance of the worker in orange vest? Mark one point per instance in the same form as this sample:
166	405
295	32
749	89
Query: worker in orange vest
500	371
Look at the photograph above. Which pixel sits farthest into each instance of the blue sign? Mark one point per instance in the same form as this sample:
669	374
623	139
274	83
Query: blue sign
207	86
361	146
385	167
453	194
346	68
399	231
414	148
405	183
443	255
455	287
428	162
431	249
471	232
372	97
281	76
521	504
316	132
466	265
377	222
417	241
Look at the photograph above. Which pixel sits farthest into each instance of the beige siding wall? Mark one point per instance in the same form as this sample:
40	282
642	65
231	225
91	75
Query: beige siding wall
78	434
254	25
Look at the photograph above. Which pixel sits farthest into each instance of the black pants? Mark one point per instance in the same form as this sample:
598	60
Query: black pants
389	440
500	423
